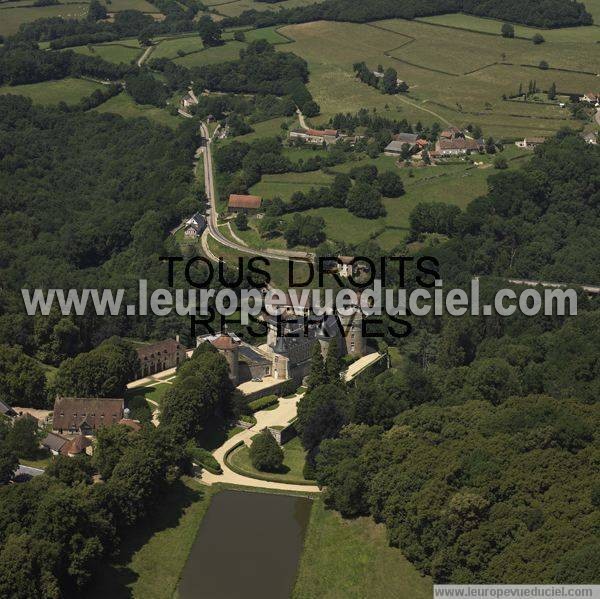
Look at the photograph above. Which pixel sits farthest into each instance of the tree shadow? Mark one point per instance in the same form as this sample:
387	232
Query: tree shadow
115	579
214	433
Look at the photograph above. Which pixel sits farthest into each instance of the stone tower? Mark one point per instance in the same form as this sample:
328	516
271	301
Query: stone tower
230	349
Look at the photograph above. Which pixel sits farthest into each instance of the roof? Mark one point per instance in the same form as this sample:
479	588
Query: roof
345	259
407	138
450	132
197	218
459	144
76	445
330	132
54	442
396	146
224	342
244	201
132	424
73	412
6	409
535	140
167	346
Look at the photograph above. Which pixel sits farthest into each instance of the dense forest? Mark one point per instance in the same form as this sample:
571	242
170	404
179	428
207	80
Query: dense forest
540	13
479	451
539	222
64	226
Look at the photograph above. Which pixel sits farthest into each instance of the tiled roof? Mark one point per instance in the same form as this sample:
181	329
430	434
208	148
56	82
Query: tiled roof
244	201
167	346
73	412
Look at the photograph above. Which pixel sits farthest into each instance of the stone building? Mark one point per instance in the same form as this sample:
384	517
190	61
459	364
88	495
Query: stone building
85	415
160	356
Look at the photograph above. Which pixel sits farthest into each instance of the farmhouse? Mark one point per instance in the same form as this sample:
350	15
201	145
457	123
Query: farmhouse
195	226
85	415
160	356
316	136
75	446
451	133
457	146
530	142
591	98
243	203
395	148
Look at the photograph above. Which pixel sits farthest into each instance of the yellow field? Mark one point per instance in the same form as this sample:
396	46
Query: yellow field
437	62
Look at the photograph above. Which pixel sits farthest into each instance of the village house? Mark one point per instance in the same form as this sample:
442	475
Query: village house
77	445
590	138
380	74
530	142
315	136
84	416
451	133
160	356
243	203
54	442
6	410
194	226
189	100
458	146
591	98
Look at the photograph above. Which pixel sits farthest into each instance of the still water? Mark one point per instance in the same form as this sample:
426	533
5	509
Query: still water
248	545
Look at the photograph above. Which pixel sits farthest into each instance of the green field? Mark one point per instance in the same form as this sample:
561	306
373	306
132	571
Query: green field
153	553
12	18
111	52
286	184
267	33
229	51
233	9
437	63
350	559
294	456
168	48
119	5
493	26
68	90
124	105
266	129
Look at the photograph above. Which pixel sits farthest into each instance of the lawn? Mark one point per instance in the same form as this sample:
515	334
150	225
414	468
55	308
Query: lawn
68	90
12	18
111	52
455	76
124	105
168	48
293	462
154	552
228	51
119	5
350	559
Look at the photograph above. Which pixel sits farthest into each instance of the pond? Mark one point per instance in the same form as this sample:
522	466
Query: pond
248	545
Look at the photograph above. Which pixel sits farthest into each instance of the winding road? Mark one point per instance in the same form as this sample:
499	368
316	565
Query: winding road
213	216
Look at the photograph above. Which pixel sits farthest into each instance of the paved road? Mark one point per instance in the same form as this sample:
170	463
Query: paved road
212	225
285	412
598	116
301	119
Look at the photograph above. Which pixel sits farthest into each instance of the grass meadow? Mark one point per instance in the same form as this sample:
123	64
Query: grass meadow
228	51
351	559
12	18
456	76
120	5
68	90
235	8
168	48
115	52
